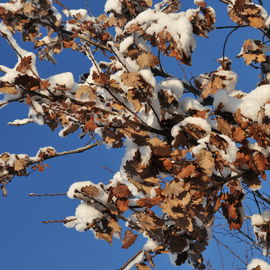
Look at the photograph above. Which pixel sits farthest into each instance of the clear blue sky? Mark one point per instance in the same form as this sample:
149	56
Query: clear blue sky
26	243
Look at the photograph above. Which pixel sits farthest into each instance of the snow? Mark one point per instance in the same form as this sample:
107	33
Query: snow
202	123
146	154
85	215
113	5
175	85
179	27
257	262
77	186
81	14
190	103
249	104
126	43
229	154
65	79
150	245
20	122
138	259
147	75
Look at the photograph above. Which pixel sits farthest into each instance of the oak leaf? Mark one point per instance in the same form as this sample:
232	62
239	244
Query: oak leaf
205	160
90	191
129	239
8	89
121	191
147	60
186	171
25	64
142	266
20	164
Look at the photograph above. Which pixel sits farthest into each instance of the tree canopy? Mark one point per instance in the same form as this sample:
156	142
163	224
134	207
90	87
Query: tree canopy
196	149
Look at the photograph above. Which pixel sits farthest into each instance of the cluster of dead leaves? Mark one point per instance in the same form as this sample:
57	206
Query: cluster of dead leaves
210	83
252	50
203	20
245	12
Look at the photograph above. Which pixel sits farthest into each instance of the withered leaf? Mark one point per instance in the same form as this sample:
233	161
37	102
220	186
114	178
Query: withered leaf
20	164
149	221
149	3
105	236
85	91
90	124
129	239
178	244
214	84
148	202
238	134
25	64
90	191
8	89
142	266
224	127
121	191
186	171
122	204
205	160
252	180
147	60
252	50
218	141
131	79
159	147
116	228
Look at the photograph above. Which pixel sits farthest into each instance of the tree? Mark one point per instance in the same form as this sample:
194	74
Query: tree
196	149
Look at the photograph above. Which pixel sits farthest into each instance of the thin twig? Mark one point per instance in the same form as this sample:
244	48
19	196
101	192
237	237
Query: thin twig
74	151
225	42
58	221
46	194
262	197
131	259
227	247
257	204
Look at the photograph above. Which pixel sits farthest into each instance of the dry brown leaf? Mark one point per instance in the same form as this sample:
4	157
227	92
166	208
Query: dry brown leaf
142	266
129	239
260	161
252	180
214	84
8	89
147	60
116	228
253	50
105	236
90	124
20	164
25	64
85	91
238	134
159	147
205	160
224	127
186	171
148	202
90	191
131	79
218	141
167	164
149	3
122	204
121	191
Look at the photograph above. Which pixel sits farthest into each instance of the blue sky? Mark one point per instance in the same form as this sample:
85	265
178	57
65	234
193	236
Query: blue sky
28	244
